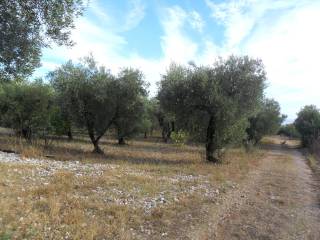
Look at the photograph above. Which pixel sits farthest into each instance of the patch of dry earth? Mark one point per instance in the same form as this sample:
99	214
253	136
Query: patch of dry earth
281	202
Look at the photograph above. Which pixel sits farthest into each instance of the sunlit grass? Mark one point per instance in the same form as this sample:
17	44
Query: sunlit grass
111	204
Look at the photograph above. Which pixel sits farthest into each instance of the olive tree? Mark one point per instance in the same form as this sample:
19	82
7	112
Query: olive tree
61	121
224	95
267	120
130	94
289	130
26	107
90	94
26	27
166	122
308	124
150	121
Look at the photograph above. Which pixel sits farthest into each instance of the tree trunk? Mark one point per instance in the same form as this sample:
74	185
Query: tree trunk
172	126
69	134
121	141
145	135
97	149
27	134
95	141
210	145
163	133
166	131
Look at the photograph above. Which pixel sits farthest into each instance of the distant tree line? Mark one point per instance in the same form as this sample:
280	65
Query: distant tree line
306	126
220	105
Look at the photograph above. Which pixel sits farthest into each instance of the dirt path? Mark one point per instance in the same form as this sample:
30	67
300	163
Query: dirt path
281	202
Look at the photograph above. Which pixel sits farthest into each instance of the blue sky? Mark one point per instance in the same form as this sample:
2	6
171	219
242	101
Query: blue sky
149	34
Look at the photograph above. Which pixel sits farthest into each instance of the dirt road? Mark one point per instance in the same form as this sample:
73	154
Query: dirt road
280	201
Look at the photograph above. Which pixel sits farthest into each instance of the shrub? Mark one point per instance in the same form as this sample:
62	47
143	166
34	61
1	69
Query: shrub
180	137
289	130
308	124
26	107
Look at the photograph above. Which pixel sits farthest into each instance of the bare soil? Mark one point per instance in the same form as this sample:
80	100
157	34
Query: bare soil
280	201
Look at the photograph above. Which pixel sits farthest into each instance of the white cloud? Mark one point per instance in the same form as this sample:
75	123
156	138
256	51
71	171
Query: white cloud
135	15
122	21
286	36
176	45
196	21
99	11
106	44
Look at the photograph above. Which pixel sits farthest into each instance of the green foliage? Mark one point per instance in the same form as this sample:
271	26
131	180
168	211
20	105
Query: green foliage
289	130
28	26
308	124
5	236
267	121
130	103
221	96
150	120
61	123
166	121
90	96
180	137
26	107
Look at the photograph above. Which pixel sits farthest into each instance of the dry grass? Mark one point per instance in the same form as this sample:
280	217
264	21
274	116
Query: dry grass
150	187
278	140
312	161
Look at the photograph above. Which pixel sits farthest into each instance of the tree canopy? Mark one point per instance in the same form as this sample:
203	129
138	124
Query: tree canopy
267	121
90	94
130	103
308	124
28	26
289	130
26	107
223	95
95	99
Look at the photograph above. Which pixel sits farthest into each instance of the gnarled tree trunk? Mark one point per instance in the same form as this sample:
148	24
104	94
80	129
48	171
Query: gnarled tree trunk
121	141
95	141
166	131
210	144
69	134
97	149
27	134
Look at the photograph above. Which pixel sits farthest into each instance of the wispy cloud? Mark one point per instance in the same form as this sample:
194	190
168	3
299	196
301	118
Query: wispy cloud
127	20
284	34
135	15
176	45
196	21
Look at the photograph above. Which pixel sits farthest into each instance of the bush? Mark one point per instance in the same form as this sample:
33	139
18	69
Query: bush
308	124
289	130
26	107
267	121
179	138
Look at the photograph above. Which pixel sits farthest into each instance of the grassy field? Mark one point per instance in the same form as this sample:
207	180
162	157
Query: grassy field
143	190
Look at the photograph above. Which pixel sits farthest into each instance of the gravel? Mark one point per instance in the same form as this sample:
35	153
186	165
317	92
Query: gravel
44	168
49	167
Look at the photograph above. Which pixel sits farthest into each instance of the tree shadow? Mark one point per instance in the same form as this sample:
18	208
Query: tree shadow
124	153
